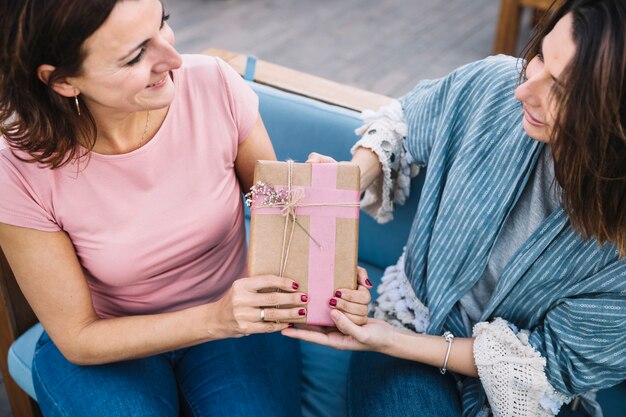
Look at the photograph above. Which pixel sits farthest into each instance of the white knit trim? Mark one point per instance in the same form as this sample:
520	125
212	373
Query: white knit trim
484	412
384	133
397	303
512	373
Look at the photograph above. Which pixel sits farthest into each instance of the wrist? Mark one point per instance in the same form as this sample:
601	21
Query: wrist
418	347
392	342
369	165
208	326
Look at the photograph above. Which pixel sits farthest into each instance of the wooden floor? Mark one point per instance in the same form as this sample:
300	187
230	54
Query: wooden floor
385	46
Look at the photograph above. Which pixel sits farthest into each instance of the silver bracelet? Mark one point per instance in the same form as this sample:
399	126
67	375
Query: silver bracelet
449	338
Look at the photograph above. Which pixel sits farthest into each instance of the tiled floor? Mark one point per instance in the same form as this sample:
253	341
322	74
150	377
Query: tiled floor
381	45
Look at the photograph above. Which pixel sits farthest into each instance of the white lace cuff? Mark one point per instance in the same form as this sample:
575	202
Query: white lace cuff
397	303
384	132
512	373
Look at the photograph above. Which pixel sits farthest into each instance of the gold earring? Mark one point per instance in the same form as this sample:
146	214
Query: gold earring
77	104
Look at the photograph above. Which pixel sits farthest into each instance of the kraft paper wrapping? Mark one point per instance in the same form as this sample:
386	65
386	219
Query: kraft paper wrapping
321	252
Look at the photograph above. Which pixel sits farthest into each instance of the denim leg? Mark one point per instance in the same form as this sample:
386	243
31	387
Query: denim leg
384	386
141	387
257	375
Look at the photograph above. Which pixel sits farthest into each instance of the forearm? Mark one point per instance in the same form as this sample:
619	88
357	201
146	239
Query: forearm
431	350
369	164
123	338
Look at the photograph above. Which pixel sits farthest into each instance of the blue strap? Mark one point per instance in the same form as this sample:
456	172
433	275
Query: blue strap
250	68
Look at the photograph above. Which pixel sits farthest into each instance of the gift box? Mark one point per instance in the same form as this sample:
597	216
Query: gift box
304	226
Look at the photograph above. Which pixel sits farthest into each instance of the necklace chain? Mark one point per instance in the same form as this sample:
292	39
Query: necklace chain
145	130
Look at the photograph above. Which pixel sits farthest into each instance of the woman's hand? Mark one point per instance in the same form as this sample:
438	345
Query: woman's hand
365	158
317	158
252	305
354	303
375	335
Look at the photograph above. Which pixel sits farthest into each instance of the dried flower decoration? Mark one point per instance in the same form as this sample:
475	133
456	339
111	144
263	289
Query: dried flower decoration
272	197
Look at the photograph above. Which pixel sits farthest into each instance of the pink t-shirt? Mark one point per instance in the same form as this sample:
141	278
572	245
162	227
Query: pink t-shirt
160	228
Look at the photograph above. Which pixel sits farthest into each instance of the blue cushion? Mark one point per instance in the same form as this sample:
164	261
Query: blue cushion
20	358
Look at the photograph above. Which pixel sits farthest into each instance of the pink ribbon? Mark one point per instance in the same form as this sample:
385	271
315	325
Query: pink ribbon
325	207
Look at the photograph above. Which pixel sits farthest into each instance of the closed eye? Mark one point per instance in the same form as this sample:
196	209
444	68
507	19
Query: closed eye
165	18
539	53
137	58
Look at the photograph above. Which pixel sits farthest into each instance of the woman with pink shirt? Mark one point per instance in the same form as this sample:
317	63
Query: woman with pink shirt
121	216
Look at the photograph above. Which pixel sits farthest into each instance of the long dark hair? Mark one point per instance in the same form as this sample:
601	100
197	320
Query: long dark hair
33	117
589	138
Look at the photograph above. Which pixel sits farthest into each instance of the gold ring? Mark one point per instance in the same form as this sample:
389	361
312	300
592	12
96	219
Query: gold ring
262	314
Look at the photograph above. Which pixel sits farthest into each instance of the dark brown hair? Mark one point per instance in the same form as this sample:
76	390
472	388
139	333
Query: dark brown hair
589	138
33	117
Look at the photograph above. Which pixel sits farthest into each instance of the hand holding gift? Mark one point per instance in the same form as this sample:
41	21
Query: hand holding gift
249	307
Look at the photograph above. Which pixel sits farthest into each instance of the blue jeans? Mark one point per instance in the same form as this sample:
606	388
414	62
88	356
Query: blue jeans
384	386
258	375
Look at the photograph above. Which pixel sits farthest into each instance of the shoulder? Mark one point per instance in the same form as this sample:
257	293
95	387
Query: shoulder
203	77
202	69
26	189
16	169
9	161
496	66
199	63
488	74
474	89
489	84
496	74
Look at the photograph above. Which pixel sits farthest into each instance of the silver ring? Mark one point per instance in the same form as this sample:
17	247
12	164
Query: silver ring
262	314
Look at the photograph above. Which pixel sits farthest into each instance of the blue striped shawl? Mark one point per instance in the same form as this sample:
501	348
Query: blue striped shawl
568	292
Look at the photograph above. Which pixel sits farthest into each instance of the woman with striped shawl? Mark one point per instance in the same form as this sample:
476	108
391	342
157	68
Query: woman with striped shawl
517	253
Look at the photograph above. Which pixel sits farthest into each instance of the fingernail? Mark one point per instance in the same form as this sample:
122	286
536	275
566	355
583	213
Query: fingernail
290	325
295	286
332	302
338	294
301	312
304	298
368	282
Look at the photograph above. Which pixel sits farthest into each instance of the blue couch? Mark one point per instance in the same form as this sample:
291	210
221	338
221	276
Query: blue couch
297	126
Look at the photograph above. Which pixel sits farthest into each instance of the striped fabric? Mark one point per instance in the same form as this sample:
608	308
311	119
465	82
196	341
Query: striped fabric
568	292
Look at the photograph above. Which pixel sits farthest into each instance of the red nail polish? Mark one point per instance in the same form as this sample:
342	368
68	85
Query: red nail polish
368	282
338	294
304	298
332	302
295	286
301	312
290	325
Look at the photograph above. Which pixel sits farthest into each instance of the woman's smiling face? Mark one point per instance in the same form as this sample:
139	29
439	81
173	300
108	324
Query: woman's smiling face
128	60
542	76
